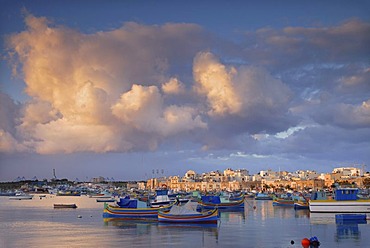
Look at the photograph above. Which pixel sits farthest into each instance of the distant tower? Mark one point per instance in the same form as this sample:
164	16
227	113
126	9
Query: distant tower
55	177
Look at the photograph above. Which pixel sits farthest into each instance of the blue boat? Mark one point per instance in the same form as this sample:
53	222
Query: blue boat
127	209
212	202
262	196
347	218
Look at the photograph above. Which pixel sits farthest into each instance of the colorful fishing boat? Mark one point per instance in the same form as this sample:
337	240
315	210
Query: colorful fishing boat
301	204
262	196
281	202
236	196
104	194
211	202
285	200
188	214
68	193
345	201
127	209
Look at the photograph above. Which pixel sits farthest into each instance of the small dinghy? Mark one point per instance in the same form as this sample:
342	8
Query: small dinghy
65	205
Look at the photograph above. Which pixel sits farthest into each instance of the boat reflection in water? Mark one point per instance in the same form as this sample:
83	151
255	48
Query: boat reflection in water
347	226
167	231
210	231
137	227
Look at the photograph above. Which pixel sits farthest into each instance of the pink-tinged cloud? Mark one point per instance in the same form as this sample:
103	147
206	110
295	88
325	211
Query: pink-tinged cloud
143	108
173	87
214	81
239	90
99	92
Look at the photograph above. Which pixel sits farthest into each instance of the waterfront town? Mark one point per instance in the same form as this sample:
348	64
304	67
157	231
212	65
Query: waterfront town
215	181
265	180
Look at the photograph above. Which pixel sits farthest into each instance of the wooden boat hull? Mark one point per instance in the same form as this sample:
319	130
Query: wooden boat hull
205	217
65	206
21	197
333	206
131	213
236	197
68	194
301	205
263	196
105	200
223	205
283	203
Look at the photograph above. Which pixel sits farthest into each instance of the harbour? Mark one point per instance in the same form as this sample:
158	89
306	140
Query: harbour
35	223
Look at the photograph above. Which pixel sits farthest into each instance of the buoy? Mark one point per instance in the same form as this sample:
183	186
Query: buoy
79	216
314	241
305	242
292	242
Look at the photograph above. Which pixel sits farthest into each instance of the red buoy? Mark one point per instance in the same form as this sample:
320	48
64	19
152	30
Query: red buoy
305	242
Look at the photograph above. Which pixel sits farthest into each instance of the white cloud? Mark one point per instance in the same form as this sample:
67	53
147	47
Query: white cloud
125	90
99	92
143	109
214	81
173	86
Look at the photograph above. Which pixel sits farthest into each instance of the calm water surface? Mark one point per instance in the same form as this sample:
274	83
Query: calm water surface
34	223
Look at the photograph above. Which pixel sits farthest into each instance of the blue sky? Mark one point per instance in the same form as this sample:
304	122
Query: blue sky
122	88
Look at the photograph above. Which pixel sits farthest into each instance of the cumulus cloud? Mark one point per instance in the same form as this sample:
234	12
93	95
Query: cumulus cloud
215	82
84	87
248	93
139	86
143	108
67	136
173	86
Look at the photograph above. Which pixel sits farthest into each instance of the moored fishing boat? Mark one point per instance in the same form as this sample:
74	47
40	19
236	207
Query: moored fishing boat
301	204
188	214
105	200
68	193
21	196
211	202
161	198
127	209
236	196
7	193
345	201
61	205
281	202
285	200
103	194
262	196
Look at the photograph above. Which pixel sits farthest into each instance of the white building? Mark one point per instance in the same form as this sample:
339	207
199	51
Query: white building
348	171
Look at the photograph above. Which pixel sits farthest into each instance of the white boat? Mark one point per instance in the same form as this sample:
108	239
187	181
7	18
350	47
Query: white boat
21	196
345	201
161	198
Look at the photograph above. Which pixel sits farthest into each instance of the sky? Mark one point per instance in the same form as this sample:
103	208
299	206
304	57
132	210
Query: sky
137	89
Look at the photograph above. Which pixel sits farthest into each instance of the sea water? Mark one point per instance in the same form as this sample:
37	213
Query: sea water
35	223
